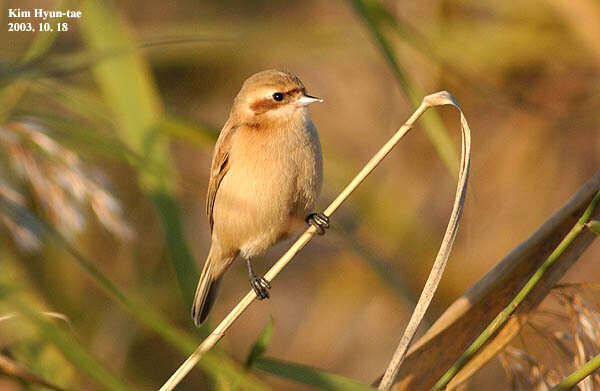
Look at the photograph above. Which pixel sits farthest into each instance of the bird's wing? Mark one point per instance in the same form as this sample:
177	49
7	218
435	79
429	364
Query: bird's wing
219	167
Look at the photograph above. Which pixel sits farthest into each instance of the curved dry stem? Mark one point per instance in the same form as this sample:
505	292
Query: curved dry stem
444	252
439	98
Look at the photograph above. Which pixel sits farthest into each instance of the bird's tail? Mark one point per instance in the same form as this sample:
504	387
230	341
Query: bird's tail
206	292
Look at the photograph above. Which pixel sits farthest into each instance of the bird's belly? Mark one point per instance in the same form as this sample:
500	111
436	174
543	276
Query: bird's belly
257	206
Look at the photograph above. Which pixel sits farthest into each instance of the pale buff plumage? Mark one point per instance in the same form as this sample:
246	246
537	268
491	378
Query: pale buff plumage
265	176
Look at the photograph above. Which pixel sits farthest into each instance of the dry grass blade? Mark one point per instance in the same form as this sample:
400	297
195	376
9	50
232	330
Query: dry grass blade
504	316
49	314
523	371
464	320
444	252
440	98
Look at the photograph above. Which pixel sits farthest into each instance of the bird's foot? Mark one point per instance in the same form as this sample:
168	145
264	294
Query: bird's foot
260	286
318	220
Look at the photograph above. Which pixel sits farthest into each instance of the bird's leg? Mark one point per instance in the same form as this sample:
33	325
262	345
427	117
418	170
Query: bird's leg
319	220
258	283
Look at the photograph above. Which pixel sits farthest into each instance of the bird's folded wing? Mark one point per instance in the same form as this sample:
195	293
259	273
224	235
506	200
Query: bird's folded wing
219	167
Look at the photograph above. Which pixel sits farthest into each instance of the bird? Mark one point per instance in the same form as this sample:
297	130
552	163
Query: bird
265	177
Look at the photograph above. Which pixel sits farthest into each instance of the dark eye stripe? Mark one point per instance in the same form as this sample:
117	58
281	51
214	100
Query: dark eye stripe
264	105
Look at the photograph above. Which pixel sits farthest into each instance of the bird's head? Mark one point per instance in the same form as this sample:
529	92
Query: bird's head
272	95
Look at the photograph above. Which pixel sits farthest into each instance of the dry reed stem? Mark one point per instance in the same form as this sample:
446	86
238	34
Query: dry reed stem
437	99
442	256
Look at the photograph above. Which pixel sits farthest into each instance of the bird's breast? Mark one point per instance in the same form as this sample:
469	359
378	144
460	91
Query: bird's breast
281	166
273	180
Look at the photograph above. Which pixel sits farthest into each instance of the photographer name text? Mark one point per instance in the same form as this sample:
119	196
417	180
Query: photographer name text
43	14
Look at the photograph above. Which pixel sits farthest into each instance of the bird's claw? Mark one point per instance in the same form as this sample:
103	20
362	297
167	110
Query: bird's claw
318	220
260	286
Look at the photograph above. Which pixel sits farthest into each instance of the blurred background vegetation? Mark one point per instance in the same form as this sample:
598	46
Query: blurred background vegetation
106	133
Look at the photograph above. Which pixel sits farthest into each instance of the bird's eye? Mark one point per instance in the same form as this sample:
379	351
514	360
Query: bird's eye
278	96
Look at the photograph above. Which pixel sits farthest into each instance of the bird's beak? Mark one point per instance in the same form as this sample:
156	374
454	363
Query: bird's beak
305	100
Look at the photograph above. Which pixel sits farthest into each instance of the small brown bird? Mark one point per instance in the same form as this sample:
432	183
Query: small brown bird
265	177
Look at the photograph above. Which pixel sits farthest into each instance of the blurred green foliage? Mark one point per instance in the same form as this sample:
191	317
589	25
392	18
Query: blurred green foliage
126	83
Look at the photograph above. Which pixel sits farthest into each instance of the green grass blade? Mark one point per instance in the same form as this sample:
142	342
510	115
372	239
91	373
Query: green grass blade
569	382
259	347
317	378
127	85
370	12
180	255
